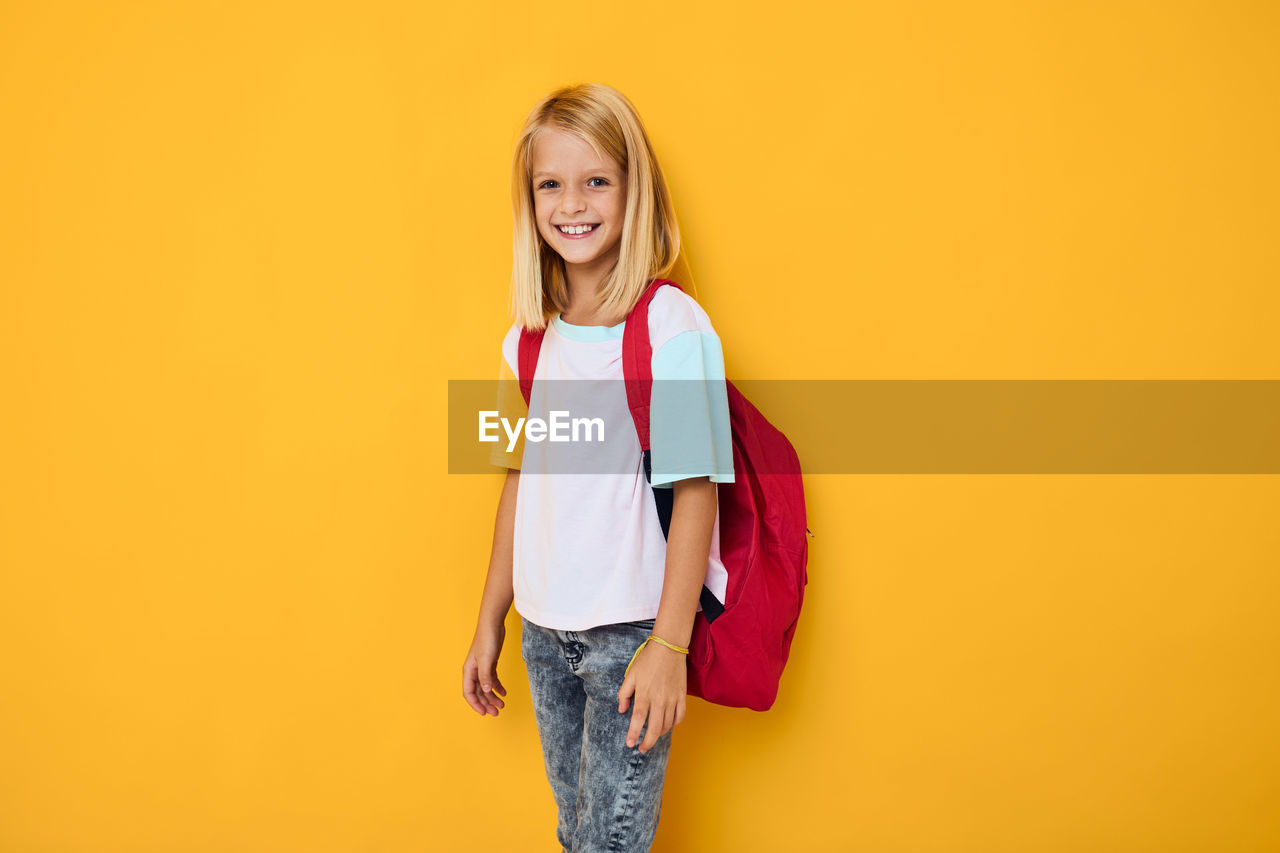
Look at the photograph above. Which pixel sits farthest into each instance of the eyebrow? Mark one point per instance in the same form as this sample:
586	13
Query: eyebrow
602	169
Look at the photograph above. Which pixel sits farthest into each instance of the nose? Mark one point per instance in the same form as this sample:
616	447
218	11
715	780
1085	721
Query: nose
572	200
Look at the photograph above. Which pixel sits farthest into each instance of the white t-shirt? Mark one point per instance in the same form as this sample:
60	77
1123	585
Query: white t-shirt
589	548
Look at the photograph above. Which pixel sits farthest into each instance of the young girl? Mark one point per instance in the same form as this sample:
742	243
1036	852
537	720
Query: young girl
583	556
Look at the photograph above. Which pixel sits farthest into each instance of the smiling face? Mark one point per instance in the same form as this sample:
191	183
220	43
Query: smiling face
580	202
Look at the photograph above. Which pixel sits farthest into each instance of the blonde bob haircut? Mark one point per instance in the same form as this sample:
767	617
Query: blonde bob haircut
604	118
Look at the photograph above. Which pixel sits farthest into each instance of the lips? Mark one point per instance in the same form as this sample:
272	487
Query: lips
595	226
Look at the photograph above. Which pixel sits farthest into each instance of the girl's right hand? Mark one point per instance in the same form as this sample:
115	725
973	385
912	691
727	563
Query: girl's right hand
480	684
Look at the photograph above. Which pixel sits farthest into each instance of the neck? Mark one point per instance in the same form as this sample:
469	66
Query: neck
584	296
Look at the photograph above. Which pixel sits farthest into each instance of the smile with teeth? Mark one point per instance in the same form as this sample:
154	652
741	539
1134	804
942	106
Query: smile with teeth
574	230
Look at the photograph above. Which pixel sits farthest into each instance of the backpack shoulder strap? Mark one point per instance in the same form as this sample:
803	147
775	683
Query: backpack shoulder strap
527	359
637	371
637	359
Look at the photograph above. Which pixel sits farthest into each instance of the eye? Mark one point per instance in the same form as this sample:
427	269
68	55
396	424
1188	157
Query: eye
544	183
601	180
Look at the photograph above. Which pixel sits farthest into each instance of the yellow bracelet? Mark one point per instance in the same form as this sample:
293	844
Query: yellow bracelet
658	639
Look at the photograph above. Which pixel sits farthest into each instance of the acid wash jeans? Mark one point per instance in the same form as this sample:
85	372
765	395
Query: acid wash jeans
607	796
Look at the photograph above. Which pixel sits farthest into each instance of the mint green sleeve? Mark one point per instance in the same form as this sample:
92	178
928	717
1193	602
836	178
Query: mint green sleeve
689	411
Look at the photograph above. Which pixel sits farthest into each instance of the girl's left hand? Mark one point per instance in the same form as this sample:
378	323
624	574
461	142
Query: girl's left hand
657	681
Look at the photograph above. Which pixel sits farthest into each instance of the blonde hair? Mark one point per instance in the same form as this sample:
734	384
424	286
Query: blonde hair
604	118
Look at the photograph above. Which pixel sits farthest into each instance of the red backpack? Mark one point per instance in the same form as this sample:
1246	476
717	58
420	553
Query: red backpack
740	645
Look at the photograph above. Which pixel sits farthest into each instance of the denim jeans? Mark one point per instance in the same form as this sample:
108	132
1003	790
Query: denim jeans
607	796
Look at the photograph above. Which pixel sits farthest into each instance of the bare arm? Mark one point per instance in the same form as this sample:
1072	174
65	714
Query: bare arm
693	515
496	599
479	670
658	677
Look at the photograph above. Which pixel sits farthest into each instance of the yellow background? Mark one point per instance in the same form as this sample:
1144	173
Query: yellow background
243	247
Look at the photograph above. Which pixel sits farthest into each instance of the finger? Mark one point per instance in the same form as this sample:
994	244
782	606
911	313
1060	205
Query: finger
468	683
625	693
487	686
497	685
680	709
637	722
469	693
485	699
668	722
493	700
481	703
658	725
